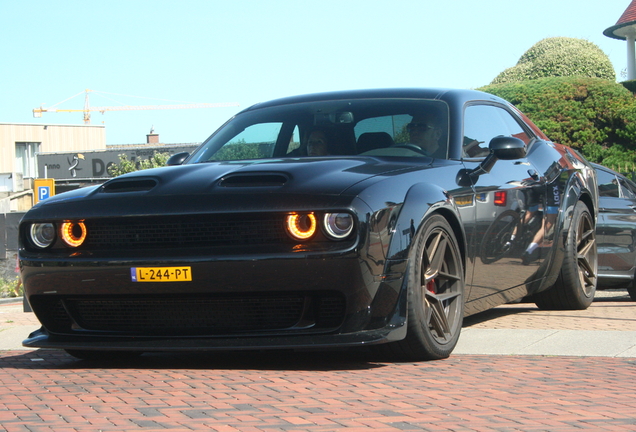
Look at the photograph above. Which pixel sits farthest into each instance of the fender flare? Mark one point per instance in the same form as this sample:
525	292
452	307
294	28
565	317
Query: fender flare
421	200
575	190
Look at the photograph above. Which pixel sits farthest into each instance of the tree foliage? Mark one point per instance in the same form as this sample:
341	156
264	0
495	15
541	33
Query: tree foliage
616	157
9	287
593	115
240	150
560	57
126	165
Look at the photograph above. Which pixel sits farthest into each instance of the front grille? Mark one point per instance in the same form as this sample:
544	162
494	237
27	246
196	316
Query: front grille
192	316
185	231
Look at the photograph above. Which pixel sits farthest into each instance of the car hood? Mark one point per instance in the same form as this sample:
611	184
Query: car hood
227	186
307	176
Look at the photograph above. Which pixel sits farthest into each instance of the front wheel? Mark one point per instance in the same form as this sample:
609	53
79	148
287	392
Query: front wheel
576	284
435	294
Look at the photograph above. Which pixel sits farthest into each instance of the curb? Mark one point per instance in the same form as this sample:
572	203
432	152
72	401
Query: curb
9	300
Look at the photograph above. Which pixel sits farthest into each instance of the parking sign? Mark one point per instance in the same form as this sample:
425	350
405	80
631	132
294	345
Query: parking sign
43	192
44	188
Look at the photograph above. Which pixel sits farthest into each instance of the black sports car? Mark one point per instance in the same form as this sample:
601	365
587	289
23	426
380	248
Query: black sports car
377	217
616	231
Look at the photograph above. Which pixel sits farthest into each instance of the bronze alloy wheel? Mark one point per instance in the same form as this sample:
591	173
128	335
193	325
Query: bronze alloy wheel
440	287
576	284
586	254
436	294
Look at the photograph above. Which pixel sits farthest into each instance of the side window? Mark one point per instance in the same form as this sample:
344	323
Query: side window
484	122
607	184
626	190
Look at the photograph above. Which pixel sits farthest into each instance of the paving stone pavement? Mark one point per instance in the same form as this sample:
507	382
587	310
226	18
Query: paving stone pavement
47	390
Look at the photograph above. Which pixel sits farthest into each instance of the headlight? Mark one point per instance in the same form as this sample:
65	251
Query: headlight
338	225
301	226
42	234
73	233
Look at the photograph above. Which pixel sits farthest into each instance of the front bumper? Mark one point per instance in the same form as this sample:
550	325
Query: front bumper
256	304
392	332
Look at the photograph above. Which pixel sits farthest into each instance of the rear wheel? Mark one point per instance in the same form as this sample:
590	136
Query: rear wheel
576	284
436	295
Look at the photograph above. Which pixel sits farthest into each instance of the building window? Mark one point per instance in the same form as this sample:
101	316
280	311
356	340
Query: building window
25	160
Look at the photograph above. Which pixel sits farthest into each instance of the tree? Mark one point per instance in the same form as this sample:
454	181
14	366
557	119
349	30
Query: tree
560	57
240	150
616	157
126	165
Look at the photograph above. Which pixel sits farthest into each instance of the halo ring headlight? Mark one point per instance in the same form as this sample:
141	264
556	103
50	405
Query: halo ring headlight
42	234
301	226
338	225
73	233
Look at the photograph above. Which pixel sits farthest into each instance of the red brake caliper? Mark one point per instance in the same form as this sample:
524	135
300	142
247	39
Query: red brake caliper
431	286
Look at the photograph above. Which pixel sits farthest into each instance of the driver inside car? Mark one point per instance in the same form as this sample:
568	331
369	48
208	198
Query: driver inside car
425	133
318	143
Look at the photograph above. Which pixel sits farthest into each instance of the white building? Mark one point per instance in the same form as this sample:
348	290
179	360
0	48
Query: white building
19	145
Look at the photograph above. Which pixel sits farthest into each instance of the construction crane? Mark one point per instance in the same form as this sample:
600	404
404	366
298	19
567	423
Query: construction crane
37	112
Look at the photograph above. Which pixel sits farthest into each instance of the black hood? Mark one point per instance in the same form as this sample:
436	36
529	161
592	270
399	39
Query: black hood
226	186
305	175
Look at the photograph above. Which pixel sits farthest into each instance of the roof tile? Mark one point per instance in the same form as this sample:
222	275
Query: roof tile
629	15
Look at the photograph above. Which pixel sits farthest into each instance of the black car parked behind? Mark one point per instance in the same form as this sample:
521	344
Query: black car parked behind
616	231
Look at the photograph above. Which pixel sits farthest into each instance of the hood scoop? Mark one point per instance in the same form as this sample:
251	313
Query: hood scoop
254	180
129	185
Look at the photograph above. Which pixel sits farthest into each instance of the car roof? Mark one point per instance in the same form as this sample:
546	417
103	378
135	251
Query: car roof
449	95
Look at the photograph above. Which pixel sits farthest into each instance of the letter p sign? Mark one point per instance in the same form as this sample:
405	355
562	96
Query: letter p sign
44	192
44	188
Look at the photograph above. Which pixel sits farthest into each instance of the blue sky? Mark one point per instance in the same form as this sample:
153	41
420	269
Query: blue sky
168	52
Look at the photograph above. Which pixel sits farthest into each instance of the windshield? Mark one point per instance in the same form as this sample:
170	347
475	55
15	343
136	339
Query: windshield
379	127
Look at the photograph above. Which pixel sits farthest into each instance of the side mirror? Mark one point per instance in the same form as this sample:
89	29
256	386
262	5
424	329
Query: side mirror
501	147
507	148
177	158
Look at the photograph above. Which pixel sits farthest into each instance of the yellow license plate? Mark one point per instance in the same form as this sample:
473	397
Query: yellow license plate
161	274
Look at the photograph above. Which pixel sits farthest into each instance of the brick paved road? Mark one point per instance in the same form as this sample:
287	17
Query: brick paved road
48	391
43	390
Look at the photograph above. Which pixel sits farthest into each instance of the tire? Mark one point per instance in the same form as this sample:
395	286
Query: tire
576	283
631	290
103	355
435	295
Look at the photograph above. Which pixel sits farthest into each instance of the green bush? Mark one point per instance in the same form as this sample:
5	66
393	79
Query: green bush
7	288
615	157
126	165
576	111
560	57
240	150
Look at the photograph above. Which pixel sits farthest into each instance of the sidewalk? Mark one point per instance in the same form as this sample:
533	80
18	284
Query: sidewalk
606	329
